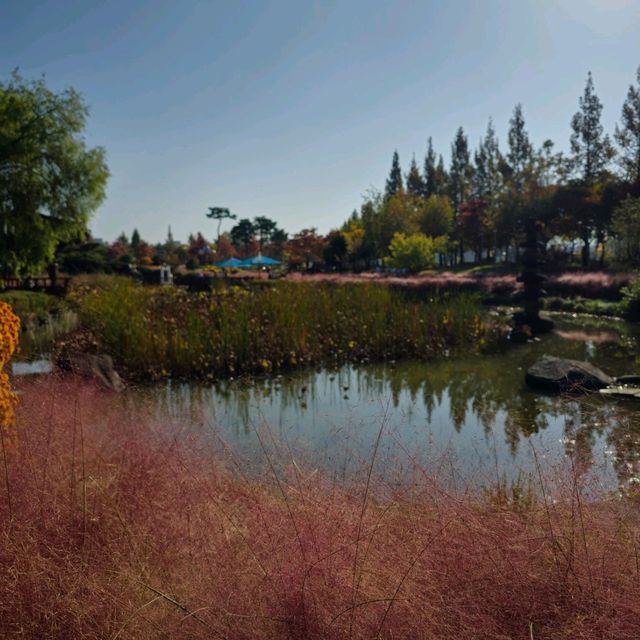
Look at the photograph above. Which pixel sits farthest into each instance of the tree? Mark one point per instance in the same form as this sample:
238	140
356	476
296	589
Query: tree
430	176
264	227
626	230
335	249
460	170
436	216
50	181
305	248
135	240
394	181
627	135
220	214
414	252
487	179
415	184
520	152
591	150
591	154
242	234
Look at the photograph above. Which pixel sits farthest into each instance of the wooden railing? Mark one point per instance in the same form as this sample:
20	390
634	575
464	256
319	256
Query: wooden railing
57	285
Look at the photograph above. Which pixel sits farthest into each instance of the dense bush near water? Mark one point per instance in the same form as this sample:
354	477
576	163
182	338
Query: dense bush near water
270	327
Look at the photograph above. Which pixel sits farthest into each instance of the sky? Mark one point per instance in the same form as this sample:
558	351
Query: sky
292	109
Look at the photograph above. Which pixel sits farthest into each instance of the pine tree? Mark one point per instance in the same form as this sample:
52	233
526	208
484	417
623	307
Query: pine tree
415	184
627	135
430	177
394	181
460	170
591	149
520	153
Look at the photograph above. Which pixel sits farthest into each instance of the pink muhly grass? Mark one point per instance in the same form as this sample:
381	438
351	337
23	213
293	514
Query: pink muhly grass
125	525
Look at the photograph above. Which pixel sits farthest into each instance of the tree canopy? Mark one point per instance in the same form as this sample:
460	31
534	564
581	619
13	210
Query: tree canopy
50	181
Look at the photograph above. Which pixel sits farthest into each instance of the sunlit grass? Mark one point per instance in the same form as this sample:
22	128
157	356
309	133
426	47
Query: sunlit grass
274	326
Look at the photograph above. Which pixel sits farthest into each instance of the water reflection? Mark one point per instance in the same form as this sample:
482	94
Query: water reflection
475	410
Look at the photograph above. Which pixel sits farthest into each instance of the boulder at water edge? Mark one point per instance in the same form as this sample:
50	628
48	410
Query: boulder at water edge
98	367
560	374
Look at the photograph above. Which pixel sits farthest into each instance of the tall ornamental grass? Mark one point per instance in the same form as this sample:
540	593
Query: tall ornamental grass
275	326
116	524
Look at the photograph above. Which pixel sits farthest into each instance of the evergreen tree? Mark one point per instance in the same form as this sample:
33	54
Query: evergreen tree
441	179
627	135
487	178
591	149
430	177
461	170
520	153
415	184
394	181
135	240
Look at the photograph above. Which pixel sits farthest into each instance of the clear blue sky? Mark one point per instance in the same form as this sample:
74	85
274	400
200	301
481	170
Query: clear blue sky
292	109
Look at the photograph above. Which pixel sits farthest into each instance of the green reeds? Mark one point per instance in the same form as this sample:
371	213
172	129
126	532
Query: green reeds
273	327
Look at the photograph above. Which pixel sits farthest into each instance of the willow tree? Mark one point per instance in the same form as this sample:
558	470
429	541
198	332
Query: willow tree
50	181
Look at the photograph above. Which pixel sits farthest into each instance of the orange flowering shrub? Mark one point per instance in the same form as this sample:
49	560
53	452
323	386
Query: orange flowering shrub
9	332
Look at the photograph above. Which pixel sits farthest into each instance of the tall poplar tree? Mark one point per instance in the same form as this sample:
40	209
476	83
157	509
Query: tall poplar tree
627	135
394	181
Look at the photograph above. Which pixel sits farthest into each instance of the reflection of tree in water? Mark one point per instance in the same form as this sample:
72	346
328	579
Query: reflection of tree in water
490	388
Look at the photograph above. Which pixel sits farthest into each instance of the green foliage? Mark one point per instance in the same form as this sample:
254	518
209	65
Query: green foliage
625	225
394	181
415	252
152	331
436	216
43	319
631	299
591	149
627	135
460	171
415	184
50	182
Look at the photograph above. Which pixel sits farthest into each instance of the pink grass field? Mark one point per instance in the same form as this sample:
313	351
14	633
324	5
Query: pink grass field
591	284
112	527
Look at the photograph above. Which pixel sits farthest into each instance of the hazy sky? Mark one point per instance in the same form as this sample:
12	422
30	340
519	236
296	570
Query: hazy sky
292	109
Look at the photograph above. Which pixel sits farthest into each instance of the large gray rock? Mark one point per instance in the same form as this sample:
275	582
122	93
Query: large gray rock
97	367
559	374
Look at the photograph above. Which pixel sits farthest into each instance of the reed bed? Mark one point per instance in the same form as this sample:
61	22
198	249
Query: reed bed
116	524
272	327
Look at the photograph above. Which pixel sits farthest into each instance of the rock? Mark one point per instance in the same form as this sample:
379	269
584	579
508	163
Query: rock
559	374
622	391
98	367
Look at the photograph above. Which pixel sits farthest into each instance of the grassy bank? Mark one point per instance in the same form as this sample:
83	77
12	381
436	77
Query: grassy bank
113	526
272	326
43	319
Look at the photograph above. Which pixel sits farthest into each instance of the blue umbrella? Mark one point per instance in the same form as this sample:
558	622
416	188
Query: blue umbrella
230	262
260	261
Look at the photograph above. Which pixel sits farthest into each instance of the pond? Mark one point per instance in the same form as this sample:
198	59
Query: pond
469	418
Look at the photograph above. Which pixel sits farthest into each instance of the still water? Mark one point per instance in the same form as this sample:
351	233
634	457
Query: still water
469	418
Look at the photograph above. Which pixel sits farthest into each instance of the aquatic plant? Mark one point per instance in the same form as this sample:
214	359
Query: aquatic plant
272	326
128	526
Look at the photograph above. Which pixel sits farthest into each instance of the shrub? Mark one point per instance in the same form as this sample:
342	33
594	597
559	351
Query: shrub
415	252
